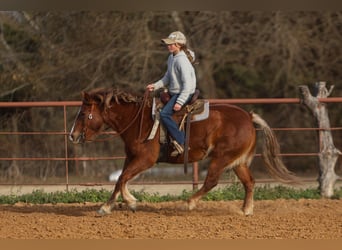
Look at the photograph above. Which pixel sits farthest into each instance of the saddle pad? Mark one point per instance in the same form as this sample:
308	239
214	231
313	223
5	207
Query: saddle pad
197	116
203	115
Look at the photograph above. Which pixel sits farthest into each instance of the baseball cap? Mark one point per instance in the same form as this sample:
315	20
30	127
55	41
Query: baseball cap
175	37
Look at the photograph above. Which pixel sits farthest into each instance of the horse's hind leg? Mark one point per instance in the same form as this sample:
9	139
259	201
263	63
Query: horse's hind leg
243	173
214	172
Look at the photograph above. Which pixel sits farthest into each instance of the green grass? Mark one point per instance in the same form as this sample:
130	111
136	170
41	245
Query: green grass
232	192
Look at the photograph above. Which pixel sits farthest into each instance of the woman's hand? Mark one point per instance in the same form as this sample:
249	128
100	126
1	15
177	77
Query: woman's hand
177	107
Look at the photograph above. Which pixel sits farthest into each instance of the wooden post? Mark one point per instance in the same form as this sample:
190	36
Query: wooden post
328	153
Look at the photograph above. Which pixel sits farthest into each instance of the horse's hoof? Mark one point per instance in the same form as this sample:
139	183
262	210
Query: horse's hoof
104	210
191	205
100	212
248	212
133	207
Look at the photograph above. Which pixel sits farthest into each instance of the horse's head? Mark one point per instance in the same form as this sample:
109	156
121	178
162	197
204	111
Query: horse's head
89	120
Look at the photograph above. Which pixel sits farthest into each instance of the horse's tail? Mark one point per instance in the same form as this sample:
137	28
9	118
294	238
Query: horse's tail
271	151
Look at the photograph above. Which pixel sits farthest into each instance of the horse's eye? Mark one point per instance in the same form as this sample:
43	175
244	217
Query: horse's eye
90	116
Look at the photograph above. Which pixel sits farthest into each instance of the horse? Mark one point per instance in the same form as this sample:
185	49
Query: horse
227	138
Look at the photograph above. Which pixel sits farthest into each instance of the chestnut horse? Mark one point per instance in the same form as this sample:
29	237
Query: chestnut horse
227	137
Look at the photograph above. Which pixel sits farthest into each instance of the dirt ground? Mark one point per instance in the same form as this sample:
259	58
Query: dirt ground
279	219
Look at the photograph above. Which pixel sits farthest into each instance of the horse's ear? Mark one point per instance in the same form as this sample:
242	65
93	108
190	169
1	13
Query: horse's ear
85	96
98	98
92	98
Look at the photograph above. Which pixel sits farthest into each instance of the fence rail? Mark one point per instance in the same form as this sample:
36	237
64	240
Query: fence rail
195	182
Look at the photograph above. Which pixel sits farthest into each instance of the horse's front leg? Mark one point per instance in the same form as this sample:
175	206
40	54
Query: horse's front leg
129	199
107	207
132	169
110	204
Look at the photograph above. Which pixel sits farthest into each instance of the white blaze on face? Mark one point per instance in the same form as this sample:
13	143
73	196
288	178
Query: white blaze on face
71	137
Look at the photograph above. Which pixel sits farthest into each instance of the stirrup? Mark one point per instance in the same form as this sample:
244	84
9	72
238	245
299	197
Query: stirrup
179	149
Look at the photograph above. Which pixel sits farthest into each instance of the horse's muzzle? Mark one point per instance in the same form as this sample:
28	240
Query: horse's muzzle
76	138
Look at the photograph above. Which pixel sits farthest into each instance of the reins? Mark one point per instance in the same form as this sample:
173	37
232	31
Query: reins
146	94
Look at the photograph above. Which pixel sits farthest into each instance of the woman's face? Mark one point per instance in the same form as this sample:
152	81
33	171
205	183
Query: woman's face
173	48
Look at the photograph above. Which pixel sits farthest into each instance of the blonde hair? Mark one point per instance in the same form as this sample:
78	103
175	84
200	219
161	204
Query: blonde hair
187	53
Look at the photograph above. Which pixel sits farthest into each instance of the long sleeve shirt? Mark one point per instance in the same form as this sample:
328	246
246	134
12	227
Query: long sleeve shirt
179	78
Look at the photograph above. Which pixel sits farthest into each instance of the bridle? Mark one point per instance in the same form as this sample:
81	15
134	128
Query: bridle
89	118
116	134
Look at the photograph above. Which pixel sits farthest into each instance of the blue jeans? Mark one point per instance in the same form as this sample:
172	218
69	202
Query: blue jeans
170	124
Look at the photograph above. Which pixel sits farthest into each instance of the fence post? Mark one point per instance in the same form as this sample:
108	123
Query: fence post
195	176
66	155
328	153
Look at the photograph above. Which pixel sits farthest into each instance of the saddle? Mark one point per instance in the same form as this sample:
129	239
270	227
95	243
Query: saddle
195	110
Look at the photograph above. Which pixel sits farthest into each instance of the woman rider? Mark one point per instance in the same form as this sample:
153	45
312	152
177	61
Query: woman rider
180	80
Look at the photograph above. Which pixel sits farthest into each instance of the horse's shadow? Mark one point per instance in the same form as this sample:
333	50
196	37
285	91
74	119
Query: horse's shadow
74	210
80	210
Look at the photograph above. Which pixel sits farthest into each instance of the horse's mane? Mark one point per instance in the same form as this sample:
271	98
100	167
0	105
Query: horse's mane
114	94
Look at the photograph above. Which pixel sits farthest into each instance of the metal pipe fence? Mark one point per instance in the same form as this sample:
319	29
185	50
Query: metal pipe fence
195	180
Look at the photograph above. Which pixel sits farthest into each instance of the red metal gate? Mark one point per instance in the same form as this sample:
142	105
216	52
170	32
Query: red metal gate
64	131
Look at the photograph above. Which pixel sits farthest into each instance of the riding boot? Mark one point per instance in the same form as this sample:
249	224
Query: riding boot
179	149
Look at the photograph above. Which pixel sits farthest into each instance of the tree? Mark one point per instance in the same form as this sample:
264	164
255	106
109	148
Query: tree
56	55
